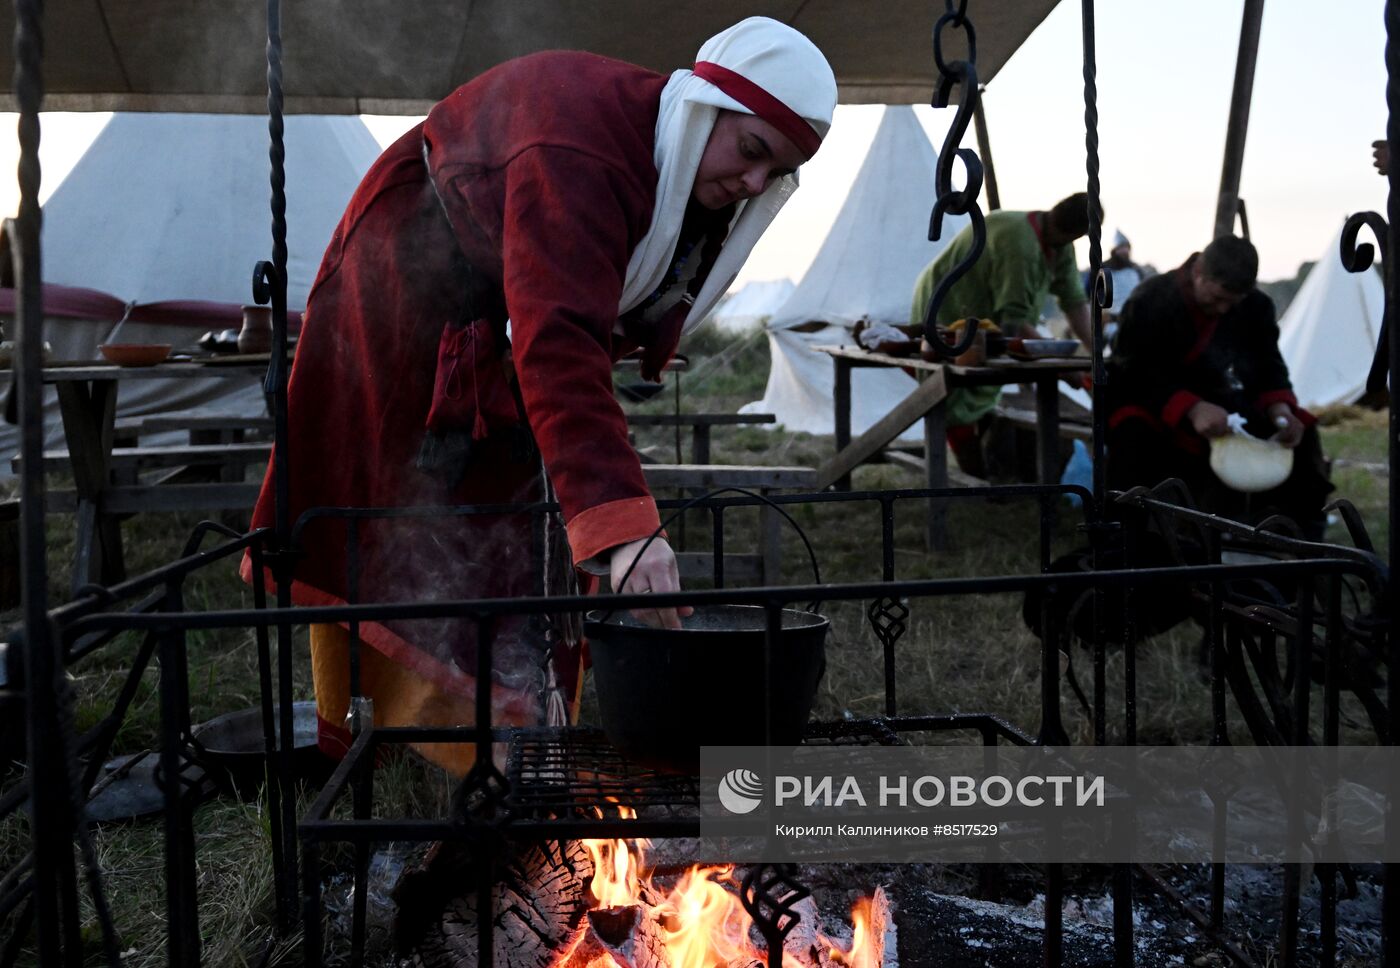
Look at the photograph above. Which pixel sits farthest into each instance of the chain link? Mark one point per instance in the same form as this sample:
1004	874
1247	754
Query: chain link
958	76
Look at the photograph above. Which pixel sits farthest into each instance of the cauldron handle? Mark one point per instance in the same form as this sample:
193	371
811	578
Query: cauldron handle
811	555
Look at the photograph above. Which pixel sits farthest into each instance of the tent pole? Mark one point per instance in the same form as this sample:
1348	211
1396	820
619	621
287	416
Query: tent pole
1227	204
984	148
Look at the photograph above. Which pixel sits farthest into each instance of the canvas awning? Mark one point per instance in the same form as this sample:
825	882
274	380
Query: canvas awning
390	57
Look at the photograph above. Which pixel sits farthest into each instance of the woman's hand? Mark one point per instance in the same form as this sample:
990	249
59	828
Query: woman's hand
655	573
1290	428
1208	419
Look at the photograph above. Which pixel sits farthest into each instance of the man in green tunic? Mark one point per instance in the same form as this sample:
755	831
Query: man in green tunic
1029	255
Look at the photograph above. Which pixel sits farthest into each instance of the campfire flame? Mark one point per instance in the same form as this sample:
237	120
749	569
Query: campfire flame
701	922
615	874
863	951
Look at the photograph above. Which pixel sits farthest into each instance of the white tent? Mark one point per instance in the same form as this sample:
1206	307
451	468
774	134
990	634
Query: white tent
175	208
752	304
867	267
1328	333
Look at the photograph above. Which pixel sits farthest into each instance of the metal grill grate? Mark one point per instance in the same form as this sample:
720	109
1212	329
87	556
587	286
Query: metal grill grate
578	773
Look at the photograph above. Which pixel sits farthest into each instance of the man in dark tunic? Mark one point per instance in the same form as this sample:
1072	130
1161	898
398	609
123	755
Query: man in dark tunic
1195	345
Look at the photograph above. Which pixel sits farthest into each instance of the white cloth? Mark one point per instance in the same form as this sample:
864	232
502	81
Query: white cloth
785	64
877	333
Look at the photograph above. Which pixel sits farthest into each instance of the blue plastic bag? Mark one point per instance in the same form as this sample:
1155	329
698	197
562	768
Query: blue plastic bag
1079	469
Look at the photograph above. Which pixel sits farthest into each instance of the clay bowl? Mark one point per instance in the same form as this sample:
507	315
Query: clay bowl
135	354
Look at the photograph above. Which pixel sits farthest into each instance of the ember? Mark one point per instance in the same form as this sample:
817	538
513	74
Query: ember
700	923
603	911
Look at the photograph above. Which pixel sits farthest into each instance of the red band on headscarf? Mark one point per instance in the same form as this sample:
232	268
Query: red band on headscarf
763	104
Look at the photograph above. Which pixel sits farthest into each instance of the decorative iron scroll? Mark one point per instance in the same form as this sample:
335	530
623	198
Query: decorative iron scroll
1358	258
960	76
889	619
770	895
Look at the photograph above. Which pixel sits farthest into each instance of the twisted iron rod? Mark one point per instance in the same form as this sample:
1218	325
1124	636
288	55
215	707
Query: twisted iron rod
1390	902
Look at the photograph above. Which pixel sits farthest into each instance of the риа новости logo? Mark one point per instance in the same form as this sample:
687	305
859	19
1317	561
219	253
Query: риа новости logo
740	791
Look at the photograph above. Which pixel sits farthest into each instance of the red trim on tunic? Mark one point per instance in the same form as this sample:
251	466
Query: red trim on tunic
1046	250
763	104
1177	405
605	526
1205	325
1189	442
1130	412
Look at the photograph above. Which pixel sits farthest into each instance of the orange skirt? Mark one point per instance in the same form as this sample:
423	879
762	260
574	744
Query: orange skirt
402	697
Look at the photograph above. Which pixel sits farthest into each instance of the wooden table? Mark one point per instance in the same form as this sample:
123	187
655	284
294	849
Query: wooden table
928	402
87	398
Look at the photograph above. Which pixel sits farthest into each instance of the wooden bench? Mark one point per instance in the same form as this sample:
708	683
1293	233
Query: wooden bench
1025	419
203	428
200	477
711	476
127	496
699	424
764	567
145	458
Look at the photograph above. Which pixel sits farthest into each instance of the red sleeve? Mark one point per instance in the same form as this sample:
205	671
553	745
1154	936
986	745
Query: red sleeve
1270	397
1177	406
566	235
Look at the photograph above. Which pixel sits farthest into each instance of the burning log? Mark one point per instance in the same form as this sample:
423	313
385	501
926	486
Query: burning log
630	936
539	903
873	927
804	942
584	905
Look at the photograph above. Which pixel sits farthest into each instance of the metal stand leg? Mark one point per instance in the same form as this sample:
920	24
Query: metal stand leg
312	954
770	529
936	475
1047	422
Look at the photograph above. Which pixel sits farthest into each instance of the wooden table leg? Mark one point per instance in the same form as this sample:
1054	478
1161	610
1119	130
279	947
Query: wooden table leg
770	529
842	401
936	474
89	416
700	444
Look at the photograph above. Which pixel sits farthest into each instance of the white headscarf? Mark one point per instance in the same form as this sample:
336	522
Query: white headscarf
787	66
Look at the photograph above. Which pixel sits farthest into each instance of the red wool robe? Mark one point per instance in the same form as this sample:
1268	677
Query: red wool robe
540	172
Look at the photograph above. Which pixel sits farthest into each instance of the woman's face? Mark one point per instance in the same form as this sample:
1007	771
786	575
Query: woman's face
741	159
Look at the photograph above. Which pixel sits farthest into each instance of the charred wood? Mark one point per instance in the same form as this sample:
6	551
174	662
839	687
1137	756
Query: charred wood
539	904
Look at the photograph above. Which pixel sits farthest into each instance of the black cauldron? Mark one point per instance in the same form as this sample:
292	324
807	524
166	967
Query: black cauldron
664	693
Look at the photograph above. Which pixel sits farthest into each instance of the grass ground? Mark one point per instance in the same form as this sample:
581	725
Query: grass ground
958	654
